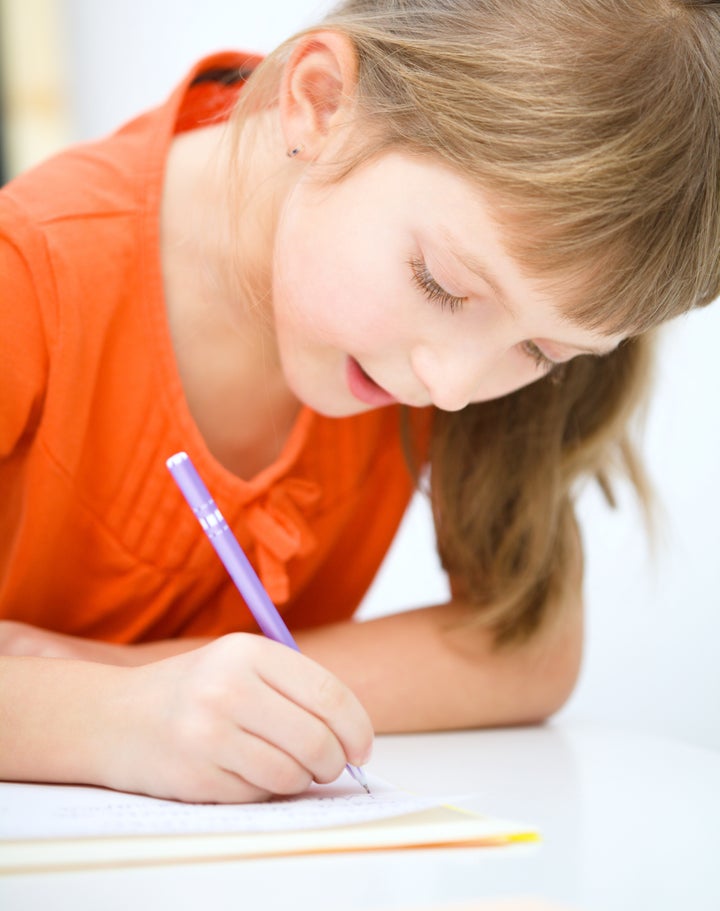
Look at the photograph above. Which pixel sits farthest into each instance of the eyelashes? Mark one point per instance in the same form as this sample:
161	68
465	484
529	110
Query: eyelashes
543	363
436	294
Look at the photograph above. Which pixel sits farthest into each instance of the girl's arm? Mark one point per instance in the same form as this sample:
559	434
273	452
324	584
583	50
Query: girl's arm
236	720
435	669
23	640
428	669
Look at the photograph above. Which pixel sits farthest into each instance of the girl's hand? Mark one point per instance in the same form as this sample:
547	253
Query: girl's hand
235	721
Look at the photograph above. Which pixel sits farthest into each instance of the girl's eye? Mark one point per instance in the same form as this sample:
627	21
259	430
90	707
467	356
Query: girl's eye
541	360
435	293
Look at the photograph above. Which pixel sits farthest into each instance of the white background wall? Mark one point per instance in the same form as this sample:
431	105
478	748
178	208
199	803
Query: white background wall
652	658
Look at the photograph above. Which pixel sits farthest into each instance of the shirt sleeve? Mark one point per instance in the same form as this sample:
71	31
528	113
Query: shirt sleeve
23	346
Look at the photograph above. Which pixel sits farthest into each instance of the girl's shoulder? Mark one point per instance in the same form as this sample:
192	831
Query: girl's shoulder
116	173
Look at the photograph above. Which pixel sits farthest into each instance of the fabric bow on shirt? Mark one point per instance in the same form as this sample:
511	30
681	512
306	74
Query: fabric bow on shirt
281	532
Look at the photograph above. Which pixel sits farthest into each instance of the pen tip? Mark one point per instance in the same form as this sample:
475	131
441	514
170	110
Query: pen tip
359	776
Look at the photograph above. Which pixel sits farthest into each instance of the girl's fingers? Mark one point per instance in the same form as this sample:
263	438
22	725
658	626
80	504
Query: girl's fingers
216	785
288	728
320	693
244	769
263	765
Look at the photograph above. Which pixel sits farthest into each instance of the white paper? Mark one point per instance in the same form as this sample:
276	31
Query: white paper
68	811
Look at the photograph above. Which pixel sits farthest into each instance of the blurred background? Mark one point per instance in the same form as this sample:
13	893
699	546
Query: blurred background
71	70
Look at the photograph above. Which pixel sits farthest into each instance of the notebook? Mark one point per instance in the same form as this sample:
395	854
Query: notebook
54	827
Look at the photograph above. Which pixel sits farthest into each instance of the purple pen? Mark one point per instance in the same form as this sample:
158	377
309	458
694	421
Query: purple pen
235	562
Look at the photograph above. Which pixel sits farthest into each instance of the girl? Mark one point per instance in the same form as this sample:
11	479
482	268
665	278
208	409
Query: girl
419	238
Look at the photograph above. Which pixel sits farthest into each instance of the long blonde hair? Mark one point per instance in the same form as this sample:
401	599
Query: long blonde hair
596	128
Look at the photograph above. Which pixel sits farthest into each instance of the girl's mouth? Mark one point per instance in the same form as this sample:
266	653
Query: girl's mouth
365	388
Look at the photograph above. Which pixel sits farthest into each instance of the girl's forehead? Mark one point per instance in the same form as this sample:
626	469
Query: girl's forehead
489	235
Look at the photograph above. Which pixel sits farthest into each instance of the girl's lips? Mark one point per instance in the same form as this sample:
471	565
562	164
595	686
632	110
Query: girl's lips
366	389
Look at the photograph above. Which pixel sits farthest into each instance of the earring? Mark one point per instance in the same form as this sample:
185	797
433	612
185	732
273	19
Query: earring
292	153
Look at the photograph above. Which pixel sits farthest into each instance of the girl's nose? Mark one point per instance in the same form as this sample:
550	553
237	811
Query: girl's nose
452	379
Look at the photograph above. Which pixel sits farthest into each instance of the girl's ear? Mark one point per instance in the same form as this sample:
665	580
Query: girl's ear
316	91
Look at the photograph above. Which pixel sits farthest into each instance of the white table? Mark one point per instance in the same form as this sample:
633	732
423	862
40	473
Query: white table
629	822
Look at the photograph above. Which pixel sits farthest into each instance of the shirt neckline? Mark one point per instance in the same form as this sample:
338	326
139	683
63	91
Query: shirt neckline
189	437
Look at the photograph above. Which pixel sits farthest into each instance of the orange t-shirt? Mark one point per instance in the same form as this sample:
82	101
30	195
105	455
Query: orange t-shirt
95	538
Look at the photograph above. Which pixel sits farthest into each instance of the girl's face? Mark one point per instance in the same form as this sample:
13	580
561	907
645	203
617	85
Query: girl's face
393	286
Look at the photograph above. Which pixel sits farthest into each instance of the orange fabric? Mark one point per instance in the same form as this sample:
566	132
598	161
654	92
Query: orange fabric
95	539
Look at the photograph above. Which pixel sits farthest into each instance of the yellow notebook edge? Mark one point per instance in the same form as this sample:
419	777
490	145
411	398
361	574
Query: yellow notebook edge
437	827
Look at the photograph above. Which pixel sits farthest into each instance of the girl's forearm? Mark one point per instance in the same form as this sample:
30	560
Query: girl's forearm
145	652
23	640
58	719
435	669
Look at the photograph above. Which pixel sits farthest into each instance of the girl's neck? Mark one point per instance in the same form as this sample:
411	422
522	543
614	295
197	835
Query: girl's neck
217	280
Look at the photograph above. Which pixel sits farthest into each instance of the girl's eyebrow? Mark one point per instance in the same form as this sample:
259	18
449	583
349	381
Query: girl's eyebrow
595	352
477	266
484	272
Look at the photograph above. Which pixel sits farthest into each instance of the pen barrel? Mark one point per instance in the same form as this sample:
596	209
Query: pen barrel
245	578
228	549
